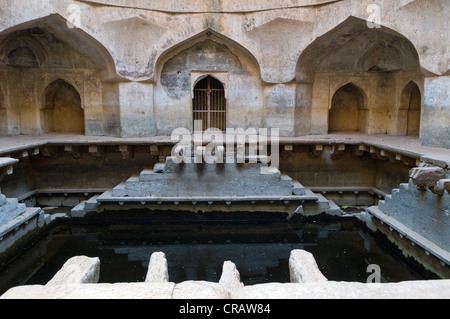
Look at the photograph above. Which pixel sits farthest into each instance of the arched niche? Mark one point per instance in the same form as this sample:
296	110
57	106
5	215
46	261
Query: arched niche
410	110
62	111
347	111
377	57
51	35
207	54
22	56
354	48
60	52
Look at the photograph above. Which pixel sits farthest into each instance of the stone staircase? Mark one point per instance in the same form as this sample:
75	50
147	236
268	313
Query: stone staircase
10	208
207	184
420	211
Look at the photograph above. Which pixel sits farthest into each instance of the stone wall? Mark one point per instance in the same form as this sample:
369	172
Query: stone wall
436	112
281	64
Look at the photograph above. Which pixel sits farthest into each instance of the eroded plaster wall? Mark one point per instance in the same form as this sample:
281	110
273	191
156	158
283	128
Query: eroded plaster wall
435	128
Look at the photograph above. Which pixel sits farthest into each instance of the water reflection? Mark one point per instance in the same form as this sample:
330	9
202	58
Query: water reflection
342	250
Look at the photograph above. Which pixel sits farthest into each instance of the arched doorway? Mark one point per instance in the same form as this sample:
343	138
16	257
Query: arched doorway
347	111
62	111
209	104
411	101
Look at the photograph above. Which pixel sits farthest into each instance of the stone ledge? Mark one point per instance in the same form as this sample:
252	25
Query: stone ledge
77	280
93	291
431	289
405	231
19	220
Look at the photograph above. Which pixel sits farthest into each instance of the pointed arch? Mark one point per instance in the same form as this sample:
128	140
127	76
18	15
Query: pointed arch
347	110
209	103
377	57
366	48
62	110
27	35
410	109
207	34
58	47
207	54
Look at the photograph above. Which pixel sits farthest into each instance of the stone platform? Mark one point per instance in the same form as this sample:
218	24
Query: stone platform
230	186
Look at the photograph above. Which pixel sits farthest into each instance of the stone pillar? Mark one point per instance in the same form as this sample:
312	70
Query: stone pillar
320	106
280	108
136	109
434	128
93	107
302	125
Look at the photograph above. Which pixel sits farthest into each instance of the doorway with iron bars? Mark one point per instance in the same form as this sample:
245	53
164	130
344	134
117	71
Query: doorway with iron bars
209	104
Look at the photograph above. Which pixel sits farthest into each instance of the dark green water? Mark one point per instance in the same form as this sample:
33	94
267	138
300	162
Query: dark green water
196	250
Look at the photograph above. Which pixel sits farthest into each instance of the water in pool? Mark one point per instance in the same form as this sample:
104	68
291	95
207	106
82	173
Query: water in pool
196	249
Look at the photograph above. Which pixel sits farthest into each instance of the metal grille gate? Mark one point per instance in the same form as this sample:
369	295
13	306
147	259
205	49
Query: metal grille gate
209	104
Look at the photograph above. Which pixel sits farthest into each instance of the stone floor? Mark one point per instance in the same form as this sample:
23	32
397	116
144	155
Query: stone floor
401	144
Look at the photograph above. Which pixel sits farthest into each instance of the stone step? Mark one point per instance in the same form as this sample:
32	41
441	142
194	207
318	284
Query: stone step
84	207
297	188
404	187
382	204
395	194
322	202
159	168
204	187
10	210
131	181
79	210
225	169
92	203
149	175
20	219
334	209
119	190
286	180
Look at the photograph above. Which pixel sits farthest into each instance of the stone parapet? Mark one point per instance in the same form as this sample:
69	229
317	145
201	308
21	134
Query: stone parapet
74	285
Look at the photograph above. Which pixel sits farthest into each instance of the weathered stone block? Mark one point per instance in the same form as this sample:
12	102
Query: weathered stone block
426	177
230	278
303	267
77	270
157	268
